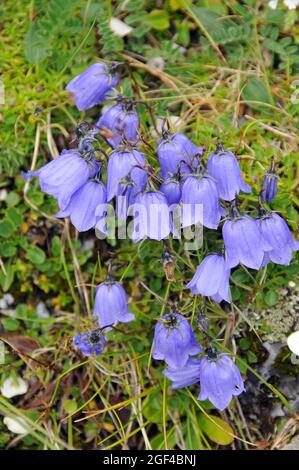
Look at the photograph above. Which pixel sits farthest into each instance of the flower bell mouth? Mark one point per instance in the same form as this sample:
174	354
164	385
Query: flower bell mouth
95	337
172	321
212	353
234	212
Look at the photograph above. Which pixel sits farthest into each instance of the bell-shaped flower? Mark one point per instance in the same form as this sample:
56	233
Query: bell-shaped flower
87	206
176	152
90	87
211	279
277	240
188	375
152	217
269	190
171	188
123	165
174	341
111	305
64	175
220	380
120	123
224	167
243	242
90	343
200	201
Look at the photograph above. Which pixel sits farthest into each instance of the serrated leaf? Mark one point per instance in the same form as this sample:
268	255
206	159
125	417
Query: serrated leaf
37	47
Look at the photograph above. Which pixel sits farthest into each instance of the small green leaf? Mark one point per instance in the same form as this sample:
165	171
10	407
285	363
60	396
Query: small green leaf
157	19
271	298
7	249
255	90
36	255
217	430
244	344
251	357
56	246
7	280
6	228
12	199
70	406
14	216
10	324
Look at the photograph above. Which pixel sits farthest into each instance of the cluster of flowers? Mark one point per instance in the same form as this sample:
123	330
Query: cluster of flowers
184	184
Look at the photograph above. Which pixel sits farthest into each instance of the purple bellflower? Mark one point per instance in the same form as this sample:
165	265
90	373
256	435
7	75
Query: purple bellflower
224	167
277	240
200	200
125	170
176	152
120	124
111	306
220	379
242	240
90	343
171	188
152	217
90	87
64	175
174	341
188	375
269	189
211	279
87	205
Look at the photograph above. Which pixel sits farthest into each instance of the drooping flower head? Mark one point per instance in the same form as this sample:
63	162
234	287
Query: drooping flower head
211	279
186	376
174	341
90	87
269	189
277	240
224	167
220	379
125	171
152	217
110	305
242	240
90	343
200	200
87	205
176	151
171	188
64	175
119	124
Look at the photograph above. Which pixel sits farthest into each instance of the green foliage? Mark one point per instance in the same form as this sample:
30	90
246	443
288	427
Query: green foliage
52	22
45	262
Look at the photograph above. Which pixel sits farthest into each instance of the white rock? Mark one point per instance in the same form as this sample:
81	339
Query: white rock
42	311
3	194
273	4
16	425
291	4
157	63
6	301
293	342
119	27
292	284
13	386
